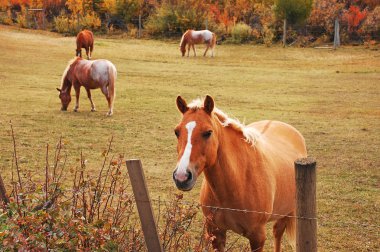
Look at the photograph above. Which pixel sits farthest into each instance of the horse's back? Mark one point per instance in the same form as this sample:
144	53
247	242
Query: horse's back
281	134
103	70
85	38
205	34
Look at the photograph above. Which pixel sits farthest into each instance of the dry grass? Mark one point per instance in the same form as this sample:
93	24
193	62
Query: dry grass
332	97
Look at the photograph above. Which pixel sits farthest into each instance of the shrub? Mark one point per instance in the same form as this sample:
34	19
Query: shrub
169	19
241	33
70	25
371	25
91	21
5	18
268	36
62	24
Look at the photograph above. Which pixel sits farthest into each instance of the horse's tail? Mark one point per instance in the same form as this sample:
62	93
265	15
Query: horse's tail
291	232
213	40
112	75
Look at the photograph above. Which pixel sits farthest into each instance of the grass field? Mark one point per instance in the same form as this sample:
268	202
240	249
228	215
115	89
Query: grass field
332	97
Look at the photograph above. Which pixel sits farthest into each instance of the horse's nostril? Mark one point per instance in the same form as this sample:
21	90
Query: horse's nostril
189	176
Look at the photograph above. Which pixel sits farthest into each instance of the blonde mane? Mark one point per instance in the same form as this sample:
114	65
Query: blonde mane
181	44
251	135
67	69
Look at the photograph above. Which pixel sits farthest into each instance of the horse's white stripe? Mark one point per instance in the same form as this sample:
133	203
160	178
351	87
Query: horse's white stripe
185	159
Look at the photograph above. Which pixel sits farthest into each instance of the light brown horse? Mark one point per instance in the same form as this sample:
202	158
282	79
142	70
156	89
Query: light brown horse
85	39
91	74
246	167
191	37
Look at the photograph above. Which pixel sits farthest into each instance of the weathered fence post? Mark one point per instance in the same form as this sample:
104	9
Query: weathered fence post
306	222
140	26
284	33
336	34
140	191
3	192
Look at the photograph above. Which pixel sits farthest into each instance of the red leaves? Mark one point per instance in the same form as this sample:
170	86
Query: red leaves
354	17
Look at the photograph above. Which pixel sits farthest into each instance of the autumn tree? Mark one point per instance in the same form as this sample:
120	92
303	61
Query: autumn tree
292	12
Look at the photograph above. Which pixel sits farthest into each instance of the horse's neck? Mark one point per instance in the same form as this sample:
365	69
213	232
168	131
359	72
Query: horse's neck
235	164
67	83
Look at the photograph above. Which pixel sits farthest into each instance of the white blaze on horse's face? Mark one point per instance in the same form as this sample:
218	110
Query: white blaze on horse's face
184	162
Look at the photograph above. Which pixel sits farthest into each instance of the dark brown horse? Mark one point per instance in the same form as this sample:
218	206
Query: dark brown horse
91	74
85	39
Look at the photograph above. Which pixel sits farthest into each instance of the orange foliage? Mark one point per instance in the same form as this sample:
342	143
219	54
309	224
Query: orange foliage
354	17
20	2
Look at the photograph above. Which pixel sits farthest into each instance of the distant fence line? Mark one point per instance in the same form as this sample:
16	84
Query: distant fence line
36	18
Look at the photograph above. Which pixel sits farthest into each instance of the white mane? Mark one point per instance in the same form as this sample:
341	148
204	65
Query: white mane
66	70
251	135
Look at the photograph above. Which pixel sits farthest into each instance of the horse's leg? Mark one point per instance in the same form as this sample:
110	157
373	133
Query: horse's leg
193	50
87	52
207	47
217	236
91	49
108	92
77	92
89	97
278	231
257	239
188	50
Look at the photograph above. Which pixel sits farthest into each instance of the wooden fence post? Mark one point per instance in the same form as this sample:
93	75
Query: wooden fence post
336	34
140	26
140	191
284	33
3	192
306	222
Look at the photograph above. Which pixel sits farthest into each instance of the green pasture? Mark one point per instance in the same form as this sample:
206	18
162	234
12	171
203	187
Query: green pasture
332	97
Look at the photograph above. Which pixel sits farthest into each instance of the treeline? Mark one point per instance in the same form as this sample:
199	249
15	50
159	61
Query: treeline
238	21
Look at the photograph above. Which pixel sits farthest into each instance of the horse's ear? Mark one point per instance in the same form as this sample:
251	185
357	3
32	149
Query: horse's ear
208	104
59	90
182	105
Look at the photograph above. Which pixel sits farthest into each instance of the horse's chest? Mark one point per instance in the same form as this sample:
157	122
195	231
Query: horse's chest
226	219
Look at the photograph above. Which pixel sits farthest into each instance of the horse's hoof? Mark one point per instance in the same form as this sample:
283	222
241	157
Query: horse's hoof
93	110
109	113
75	110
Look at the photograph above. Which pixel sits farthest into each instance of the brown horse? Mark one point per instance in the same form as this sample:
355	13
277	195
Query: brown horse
246	167
91	74
85	39
191	37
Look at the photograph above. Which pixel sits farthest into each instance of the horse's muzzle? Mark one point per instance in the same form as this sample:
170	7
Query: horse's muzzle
184	182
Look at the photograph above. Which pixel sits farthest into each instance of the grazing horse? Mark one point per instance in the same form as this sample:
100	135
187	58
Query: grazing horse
85	39
246	167
191	37
91	74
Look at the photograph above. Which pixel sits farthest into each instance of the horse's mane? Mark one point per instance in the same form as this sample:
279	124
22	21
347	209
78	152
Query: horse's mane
183	41
251	135
66	70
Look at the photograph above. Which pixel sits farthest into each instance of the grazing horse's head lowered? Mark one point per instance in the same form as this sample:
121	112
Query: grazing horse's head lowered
65	99
245	167
191	37
91	74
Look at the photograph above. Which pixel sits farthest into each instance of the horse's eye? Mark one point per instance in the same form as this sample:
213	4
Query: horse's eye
206	134
176	132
